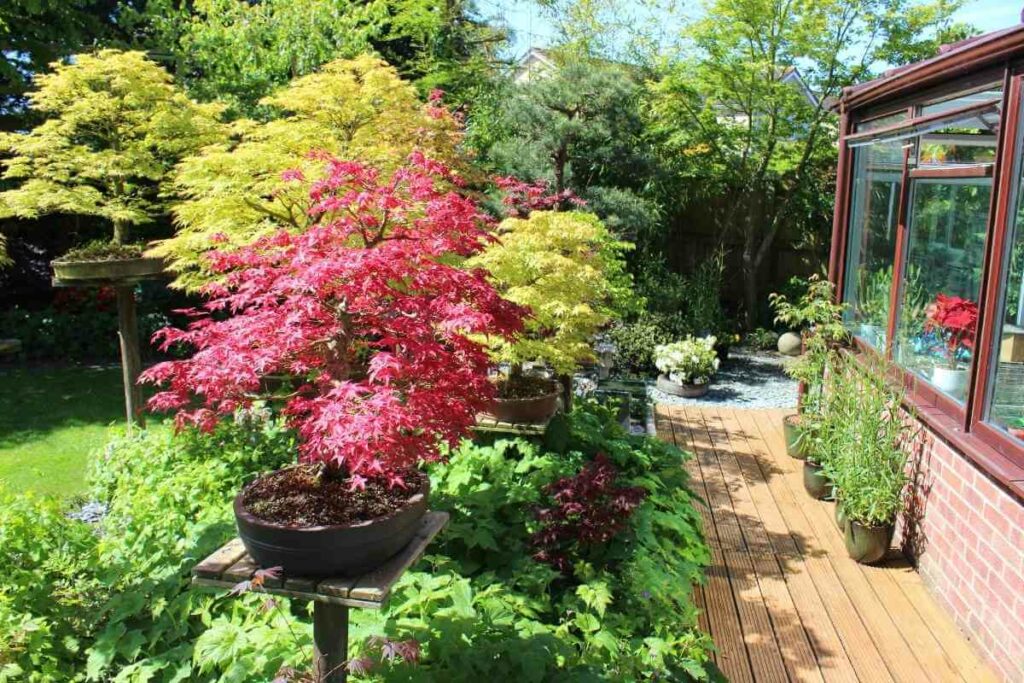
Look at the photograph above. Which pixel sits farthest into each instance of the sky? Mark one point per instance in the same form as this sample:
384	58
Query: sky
533	30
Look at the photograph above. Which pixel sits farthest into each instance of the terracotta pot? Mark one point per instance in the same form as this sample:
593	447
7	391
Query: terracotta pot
333	550
790	430
667	386
867	544
816	483
537	409
128	270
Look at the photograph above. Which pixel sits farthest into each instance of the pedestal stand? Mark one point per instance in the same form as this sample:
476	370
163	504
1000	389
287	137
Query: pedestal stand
331	597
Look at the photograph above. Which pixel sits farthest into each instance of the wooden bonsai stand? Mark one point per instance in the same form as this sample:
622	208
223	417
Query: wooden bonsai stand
128	336
331	597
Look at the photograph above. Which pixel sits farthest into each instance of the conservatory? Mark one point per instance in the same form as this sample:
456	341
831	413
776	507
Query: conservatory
928	253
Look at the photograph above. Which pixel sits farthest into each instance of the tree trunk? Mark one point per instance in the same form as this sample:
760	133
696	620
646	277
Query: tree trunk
120	232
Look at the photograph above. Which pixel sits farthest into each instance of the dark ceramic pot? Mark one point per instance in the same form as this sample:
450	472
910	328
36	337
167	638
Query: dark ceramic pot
127	270
667	386
790	430
334	550
867	544
535	410
815	481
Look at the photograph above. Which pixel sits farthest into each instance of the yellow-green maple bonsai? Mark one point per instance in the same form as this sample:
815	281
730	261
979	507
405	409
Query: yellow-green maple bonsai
569	270
115	125
358	109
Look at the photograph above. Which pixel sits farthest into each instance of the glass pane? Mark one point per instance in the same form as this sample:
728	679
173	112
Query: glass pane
1005	407
993	92
882	121
874	210
938	312
966	141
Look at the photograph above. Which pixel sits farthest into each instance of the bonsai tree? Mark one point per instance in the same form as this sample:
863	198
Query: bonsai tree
364	310
114	127
568	269
233	193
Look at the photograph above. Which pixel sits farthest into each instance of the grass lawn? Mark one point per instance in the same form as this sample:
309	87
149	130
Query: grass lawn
51	419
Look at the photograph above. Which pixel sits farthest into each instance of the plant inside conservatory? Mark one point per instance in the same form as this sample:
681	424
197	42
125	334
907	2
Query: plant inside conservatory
687	366
373	322
568	269
954	320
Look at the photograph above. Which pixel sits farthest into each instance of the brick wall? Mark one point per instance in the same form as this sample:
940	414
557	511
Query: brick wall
967	534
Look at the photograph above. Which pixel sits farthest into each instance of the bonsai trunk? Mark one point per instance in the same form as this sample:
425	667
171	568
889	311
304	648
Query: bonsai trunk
121	229
131	361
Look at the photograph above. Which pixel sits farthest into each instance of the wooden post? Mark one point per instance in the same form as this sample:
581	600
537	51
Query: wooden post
330	642
131	360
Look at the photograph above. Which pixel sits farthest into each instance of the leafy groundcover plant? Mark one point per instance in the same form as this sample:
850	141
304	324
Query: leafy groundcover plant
112	602
690	361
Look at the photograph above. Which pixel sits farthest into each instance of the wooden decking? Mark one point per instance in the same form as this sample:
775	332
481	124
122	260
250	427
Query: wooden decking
783	602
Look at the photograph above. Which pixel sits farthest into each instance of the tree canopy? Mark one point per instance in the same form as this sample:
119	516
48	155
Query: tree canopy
115	126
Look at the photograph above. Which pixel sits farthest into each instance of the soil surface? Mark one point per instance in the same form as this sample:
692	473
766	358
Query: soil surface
309	496
525	386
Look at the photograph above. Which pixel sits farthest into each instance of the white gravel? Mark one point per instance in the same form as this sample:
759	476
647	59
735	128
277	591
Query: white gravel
748	379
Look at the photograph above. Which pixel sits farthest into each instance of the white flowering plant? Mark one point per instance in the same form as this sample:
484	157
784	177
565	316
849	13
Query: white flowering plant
690	361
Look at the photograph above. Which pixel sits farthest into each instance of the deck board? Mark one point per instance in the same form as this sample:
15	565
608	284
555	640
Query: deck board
783	602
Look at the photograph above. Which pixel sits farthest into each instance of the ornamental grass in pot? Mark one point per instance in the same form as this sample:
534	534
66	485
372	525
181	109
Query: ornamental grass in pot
568	270
370	315
869	462
687	367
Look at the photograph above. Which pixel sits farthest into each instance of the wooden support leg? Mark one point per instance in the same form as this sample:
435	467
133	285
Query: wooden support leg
131	360
330	642
566	381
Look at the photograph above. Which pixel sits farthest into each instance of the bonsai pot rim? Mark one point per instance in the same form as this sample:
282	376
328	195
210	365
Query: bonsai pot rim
529	409
243	513
667	386
74	271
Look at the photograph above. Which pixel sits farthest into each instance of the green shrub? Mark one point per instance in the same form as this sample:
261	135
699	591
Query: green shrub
763	340
114	603
635	341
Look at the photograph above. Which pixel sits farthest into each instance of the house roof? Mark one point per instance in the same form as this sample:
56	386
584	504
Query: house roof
953	60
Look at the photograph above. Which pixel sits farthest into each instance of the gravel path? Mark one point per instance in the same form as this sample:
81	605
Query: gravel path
749	379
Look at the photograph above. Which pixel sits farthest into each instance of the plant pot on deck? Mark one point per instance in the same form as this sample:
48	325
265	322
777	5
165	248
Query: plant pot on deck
867	544
667	386
841	518
106	271
816	483
529	409
795	447
329	550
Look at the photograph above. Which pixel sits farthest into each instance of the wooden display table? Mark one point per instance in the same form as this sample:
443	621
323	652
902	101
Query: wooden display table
332	597
488	423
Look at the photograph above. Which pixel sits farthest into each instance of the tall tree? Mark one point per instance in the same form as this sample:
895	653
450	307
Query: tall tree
736	124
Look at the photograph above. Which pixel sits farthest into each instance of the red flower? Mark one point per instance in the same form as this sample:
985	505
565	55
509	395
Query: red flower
366	310
956	319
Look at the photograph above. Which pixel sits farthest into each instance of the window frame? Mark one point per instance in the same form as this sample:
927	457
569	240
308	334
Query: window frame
963	425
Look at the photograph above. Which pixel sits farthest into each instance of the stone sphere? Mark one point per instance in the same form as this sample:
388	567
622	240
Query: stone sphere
790	344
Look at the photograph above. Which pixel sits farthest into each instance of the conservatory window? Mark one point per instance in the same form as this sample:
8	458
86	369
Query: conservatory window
877	187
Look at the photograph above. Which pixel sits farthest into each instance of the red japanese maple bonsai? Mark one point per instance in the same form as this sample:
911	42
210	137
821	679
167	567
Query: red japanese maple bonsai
956	320
369	315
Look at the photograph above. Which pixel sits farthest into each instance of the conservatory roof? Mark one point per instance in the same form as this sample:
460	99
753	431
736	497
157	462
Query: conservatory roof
955	59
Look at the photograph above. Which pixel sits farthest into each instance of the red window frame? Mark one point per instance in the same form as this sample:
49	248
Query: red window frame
962	425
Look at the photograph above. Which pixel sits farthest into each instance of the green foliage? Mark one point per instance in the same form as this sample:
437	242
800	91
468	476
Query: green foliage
232	193
113	603
762	339
863	437
115	125
704	313
569	270
635	341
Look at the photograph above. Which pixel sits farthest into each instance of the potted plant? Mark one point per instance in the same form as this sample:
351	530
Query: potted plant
873	305
868	463
686	366
955	320
567	269
115	126
370	315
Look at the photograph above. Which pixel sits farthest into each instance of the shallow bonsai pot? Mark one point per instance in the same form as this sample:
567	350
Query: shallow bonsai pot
867	544
794	447
141	268
532	410
667	386
816	483
333	550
